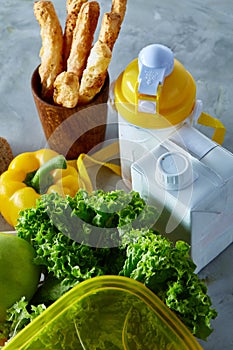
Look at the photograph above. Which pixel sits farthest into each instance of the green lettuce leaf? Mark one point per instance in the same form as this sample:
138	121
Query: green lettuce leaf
111	233
168	271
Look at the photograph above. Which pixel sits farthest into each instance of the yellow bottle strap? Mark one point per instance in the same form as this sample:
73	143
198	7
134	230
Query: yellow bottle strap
85	161
220	130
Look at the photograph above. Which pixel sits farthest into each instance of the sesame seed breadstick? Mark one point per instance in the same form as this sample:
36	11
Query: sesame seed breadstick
95	72
119	6
66	89
110	28
72	8
52	45
83	37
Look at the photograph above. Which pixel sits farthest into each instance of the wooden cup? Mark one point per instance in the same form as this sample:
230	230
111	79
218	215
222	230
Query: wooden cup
72	131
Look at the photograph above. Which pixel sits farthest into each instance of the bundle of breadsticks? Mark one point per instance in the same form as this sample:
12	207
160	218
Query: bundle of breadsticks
73	69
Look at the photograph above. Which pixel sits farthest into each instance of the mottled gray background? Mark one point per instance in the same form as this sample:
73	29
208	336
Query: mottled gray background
201	35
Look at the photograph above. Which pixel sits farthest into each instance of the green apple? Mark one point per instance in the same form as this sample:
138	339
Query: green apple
19	276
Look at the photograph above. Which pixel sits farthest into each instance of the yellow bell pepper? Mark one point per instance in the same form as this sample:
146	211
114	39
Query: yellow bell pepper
31	174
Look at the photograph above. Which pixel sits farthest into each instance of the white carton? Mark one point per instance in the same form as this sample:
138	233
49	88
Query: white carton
190	180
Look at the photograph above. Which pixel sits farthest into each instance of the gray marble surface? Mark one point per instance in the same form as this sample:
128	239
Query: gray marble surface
201	35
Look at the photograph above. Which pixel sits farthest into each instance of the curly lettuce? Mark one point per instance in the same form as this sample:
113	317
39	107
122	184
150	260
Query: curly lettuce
168	271
112	233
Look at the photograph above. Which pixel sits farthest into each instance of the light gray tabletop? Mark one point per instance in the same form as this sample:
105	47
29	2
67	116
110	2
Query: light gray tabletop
200	33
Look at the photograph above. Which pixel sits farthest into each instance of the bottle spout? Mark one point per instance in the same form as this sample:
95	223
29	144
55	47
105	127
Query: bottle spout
155	63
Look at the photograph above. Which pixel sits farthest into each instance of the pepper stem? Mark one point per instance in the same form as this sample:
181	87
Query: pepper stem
41	179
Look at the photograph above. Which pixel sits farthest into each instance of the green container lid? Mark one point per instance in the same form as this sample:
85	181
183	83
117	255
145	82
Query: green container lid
107	312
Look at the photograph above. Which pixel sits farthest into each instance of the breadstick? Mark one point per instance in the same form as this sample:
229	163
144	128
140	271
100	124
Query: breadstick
66	88
52	43
72	8
83	37
73	5
95	72
110	28
119	6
